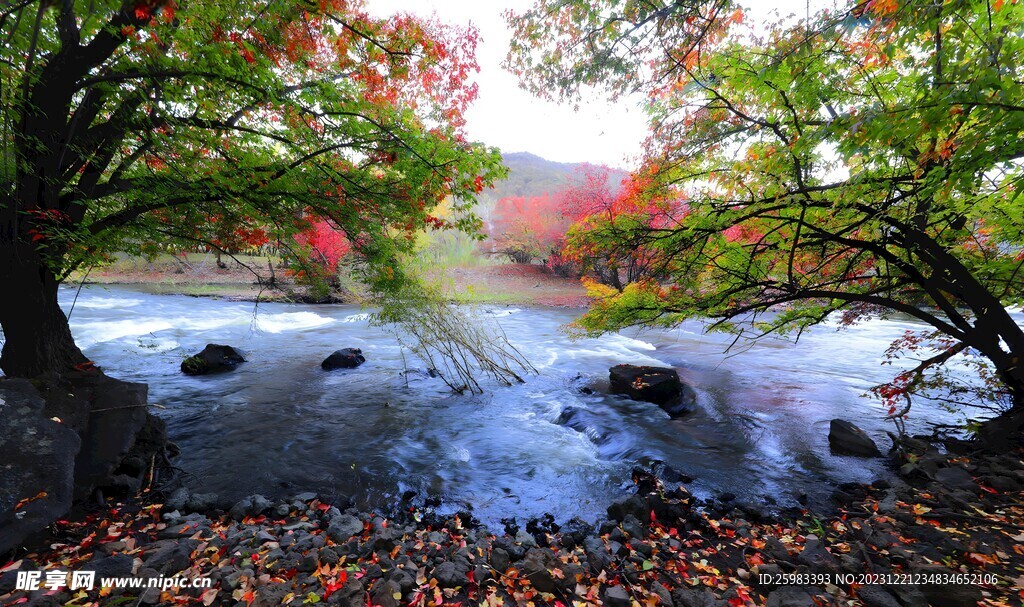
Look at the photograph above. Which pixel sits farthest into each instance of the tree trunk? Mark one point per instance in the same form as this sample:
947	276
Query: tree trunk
1004	431
37	338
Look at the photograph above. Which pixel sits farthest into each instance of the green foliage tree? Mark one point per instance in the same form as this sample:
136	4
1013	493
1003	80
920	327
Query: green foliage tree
865	162
129	122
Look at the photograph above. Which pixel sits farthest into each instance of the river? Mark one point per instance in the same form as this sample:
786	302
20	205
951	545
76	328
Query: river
279	424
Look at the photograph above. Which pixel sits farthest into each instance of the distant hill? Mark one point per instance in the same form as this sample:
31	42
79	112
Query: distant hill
531	175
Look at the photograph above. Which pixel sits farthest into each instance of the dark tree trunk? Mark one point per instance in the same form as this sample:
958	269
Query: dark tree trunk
37	338
994	333
1003	431
1007	429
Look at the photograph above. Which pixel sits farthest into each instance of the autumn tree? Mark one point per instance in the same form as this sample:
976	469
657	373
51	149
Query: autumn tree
605	216
864	163
128	122
527	228
321	247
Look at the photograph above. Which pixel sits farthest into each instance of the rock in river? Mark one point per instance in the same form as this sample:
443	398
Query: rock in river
214	358
846	439
658	385
346	358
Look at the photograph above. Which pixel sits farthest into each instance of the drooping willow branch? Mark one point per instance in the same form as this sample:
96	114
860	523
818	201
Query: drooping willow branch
460	346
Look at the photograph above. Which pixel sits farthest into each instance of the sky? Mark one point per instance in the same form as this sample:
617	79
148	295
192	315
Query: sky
512	119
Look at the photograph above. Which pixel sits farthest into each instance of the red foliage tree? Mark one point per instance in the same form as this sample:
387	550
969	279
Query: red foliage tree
601	214
525	229
322	246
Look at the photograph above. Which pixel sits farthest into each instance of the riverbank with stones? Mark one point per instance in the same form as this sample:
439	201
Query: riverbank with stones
950	534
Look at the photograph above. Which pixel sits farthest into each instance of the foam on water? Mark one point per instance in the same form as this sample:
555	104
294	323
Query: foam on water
290	321
91	333
208	323
460	453
107	303
630	342
602	352
158	344
361	317
499	313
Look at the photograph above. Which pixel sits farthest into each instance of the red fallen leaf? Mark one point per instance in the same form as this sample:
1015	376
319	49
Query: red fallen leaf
470	575
323	507
22	503
332	587
988	489
980	559
249	597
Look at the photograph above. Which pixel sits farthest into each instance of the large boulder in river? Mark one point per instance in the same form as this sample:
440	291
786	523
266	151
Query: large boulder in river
346	358
845	438
213	359
658	385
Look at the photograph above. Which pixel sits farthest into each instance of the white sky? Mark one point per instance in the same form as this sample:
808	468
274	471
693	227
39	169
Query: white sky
515	121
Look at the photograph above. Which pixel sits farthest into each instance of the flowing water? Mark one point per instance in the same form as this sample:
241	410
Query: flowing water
279	424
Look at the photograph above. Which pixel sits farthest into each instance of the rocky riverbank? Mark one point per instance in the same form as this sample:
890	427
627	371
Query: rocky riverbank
951	535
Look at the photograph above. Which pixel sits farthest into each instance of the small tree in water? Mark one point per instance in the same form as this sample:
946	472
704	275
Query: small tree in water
866	162
454	342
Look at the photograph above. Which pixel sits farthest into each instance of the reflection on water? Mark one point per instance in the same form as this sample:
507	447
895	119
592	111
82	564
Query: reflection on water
280	424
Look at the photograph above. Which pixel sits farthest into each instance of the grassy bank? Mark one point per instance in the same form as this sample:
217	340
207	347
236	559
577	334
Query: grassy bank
245	277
